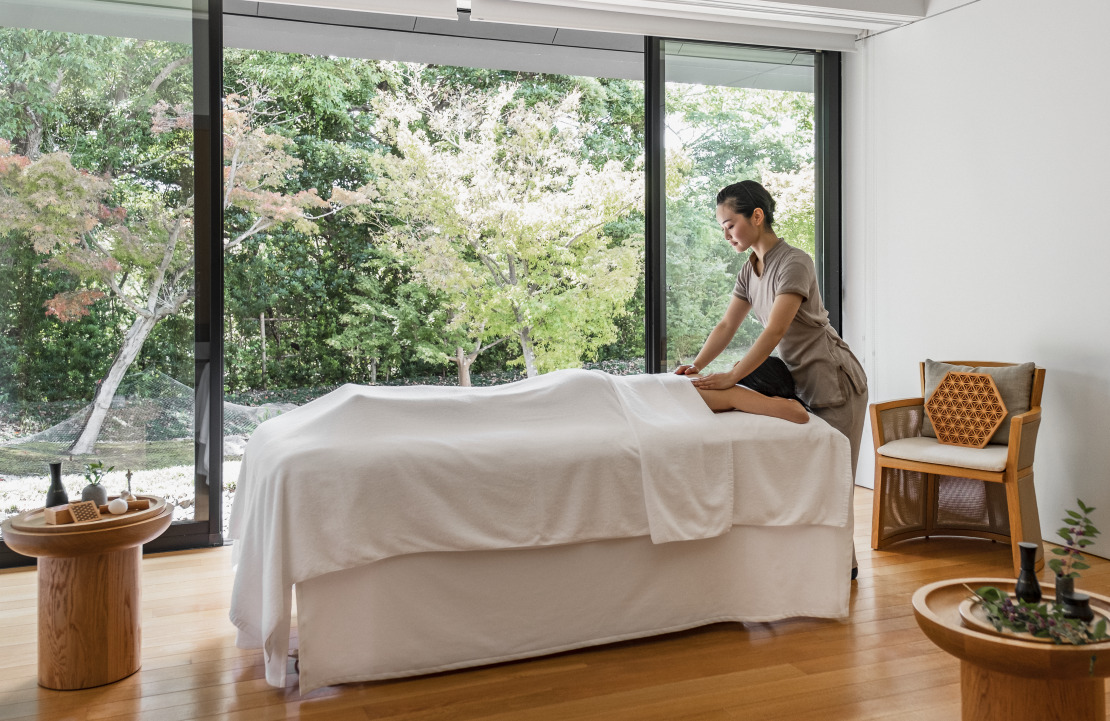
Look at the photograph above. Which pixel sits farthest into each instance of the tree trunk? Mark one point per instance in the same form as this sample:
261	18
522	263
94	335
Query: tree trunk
262	334
463	361
374	371
32	145
106	391
529	352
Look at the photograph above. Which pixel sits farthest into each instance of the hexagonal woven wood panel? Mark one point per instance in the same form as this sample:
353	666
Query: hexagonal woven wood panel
966	409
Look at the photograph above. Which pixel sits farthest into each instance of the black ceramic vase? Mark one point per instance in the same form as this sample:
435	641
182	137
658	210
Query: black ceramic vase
1028	589
56	495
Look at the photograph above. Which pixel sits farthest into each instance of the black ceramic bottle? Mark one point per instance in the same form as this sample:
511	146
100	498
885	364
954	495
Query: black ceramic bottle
1028	589
56	495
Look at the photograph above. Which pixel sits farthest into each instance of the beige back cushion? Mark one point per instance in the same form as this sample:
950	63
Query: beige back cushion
1015	385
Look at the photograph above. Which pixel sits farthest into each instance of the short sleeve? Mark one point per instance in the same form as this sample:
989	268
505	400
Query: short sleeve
795	276
740	290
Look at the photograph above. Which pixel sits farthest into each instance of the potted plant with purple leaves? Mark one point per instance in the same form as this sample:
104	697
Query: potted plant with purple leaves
1041	620
1069	618
1078	532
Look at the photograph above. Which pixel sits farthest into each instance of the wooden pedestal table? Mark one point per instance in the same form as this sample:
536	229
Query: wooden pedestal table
1005	678
89	595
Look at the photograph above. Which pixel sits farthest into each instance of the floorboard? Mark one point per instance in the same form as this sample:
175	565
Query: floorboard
876	665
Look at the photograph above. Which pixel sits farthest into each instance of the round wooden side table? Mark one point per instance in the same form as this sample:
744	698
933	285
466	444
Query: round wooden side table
1004	678
89	597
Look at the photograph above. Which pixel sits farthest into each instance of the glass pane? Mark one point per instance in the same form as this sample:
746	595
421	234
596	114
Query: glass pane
96	248
732	114
440	225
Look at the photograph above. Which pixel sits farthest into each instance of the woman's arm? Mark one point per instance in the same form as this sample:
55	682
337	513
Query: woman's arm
719	337
782	315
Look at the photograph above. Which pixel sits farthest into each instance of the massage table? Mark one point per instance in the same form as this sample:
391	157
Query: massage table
426	529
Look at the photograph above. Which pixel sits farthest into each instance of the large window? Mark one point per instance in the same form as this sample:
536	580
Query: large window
387	213
731	114
97	250
435	224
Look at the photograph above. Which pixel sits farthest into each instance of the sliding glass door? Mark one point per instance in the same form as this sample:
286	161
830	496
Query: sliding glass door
98	227
436	225
731	114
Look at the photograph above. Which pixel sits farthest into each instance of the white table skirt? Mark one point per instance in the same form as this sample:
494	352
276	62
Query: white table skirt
430	612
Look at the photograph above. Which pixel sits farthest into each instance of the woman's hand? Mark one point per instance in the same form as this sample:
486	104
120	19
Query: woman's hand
715	382
686	370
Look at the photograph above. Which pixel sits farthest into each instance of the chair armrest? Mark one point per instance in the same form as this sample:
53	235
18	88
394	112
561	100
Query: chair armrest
1023	438
885	416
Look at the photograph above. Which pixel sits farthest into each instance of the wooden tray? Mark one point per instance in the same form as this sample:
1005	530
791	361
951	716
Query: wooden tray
35	521
975	617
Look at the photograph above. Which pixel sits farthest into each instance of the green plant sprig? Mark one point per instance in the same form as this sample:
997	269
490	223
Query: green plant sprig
95	472
1078	533
1040	620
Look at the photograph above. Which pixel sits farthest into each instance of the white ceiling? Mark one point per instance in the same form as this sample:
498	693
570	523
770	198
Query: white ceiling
824	20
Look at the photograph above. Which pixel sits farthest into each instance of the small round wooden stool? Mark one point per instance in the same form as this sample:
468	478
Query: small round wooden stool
89	596
1006	679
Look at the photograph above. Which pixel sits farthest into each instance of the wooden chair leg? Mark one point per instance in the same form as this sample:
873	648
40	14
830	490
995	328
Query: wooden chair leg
877	506
932	503
1025	522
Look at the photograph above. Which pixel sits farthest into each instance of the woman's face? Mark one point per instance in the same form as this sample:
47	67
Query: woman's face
740	232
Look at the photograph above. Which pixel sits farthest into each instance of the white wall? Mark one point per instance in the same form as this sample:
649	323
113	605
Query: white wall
977	158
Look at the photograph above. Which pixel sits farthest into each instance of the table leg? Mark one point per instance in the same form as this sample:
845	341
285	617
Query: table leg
992	696
89	619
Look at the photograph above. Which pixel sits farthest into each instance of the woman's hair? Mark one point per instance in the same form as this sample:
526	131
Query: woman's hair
772	378
747	195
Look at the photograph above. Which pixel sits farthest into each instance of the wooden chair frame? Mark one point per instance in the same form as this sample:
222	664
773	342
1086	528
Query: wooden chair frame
1017	476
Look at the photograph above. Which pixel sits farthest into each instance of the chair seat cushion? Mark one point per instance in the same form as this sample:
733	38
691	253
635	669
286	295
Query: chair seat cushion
928	450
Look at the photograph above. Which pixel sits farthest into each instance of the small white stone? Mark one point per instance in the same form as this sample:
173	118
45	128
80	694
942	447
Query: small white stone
117	506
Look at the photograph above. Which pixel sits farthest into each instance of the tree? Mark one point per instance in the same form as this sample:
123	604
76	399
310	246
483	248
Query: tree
391	320
500	211
323	106
142	255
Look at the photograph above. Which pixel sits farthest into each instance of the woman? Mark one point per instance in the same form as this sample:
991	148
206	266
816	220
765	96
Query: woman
779	284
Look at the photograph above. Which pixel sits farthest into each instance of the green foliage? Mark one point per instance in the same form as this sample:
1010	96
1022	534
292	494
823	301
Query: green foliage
1041	620
392	321
42	358
612	108
95	471
107	121
1078	532
721	135
501	213
320	97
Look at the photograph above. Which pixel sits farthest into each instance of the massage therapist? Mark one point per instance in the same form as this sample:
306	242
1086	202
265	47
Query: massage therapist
779	284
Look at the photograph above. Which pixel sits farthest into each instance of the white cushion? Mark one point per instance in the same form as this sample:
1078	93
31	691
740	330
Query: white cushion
928	450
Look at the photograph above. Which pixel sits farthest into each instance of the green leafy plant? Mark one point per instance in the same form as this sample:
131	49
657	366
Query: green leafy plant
95	472
1040	620
1078	533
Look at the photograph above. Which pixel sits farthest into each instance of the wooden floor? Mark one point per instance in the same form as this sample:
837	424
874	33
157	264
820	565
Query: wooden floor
875	665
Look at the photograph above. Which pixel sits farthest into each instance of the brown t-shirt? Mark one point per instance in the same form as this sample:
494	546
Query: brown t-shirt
811	348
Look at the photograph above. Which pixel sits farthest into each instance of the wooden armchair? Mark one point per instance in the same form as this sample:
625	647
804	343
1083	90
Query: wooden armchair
931	489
